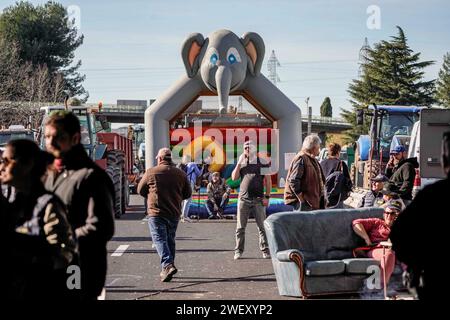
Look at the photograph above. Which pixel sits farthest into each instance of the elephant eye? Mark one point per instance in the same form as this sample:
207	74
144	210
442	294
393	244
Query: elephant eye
233	55
213	59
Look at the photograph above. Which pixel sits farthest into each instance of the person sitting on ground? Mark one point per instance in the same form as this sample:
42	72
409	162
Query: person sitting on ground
374	231
374	197
218	196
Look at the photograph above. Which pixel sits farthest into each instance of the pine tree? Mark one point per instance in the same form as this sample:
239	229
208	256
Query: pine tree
392	74
326	110
443	83
45	37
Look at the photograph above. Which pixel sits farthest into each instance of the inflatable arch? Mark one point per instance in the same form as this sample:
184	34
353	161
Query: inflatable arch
224	64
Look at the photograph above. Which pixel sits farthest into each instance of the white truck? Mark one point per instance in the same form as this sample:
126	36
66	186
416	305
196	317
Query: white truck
426	145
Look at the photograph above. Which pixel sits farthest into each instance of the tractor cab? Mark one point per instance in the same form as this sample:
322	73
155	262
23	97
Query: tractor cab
391	126
90	125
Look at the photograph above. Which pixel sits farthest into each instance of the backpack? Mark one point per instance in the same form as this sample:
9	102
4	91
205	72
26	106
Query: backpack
338	186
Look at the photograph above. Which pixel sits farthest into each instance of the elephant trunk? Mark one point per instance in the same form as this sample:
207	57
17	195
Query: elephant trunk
223	83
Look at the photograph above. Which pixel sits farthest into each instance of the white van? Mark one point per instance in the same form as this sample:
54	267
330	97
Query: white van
425	144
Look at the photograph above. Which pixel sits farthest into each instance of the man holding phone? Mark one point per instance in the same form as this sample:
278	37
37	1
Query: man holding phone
251	197
401	172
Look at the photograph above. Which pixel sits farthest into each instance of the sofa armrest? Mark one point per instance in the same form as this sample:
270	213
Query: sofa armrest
287	255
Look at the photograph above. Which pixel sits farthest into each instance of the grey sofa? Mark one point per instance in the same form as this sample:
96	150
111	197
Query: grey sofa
312	251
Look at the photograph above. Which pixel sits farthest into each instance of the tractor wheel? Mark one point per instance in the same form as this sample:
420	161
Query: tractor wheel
115	169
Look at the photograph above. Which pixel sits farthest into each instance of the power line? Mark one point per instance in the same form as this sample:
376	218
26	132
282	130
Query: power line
145	68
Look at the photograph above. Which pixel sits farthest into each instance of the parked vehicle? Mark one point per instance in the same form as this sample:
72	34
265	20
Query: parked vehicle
112	152
15	132
426	146
390	126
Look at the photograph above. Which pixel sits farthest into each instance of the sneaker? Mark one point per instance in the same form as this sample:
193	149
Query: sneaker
186	219
212	217
167	273
266	255
237	255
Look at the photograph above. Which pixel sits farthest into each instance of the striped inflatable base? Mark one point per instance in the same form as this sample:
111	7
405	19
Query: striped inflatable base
197	207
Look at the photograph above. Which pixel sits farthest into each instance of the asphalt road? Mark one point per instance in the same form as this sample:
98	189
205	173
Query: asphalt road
206	269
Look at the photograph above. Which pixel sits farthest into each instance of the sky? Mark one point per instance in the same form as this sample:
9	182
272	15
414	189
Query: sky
132	49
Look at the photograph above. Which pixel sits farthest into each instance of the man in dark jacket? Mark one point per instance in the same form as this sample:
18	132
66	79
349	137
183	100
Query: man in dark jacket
421	253
165	187
401	172
88	193
305	182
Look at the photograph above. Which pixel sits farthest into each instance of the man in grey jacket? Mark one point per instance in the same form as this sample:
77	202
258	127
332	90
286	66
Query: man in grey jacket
88	193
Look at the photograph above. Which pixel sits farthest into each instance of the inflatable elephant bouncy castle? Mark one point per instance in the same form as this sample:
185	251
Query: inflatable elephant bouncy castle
223	64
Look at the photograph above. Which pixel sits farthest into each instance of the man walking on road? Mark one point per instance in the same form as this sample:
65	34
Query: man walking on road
165	187
88	193
251	197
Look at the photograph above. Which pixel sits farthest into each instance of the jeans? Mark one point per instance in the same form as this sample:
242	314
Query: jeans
210	206
187	203
162	231
245	206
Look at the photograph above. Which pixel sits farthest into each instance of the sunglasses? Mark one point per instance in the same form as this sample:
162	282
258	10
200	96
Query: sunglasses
391	213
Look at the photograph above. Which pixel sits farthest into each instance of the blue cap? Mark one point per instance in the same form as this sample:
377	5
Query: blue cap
398	149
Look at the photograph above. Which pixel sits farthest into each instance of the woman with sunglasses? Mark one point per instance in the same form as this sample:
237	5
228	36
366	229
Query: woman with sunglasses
40	239
374	231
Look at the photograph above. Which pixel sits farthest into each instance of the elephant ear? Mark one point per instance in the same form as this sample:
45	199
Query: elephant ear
254	46
190	53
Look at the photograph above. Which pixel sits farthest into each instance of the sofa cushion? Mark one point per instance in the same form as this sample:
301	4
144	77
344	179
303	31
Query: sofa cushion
359	265
324	267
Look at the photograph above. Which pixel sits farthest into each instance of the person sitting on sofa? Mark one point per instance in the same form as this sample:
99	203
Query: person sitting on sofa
218	196
375	230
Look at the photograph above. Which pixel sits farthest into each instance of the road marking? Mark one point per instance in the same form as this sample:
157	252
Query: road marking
120	250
